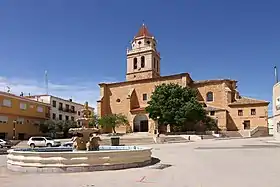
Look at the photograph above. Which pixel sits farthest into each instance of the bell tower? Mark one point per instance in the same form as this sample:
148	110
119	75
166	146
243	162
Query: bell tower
143	59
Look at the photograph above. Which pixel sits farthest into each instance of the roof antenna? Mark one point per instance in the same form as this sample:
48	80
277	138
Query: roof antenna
46	82
8	89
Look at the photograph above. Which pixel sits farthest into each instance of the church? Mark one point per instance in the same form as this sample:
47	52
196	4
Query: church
220	97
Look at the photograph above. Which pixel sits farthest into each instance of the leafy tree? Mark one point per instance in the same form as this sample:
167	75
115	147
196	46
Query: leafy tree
112	121
64	126
93	121
210	124
55	126
175	105
49	126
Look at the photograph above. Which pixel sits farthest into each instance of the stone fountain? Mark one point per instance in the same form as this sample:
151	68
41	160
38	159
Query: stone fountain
85	130
62	159
85	156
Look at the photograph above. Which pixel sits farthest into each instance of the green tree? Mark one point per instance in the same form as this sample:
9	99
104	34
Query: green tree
65	125
49	126
112	121
93	120
56	126
175	105
210	124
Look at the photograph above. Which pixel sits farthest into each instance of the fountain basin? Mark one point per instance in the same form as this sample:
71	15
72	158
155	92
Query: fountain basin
62	159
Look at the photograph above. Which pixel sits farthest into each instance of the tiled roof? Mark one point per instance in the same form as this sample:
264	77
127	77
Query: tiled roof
213	81
6	94
212	108
161	78
42	95
247	100
140	109
143	32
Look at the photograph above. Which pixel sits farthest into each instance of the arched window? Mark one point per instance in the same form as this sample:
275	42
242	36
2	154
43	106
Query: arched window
209	96
142	61
135	63
154	63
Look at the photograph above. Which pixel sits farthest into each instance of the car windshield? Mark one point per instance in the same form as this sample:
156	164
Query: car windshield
48	138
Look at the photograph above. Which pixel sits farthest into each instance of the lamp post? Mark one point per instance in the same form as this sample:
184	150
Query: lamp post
14	129
157	126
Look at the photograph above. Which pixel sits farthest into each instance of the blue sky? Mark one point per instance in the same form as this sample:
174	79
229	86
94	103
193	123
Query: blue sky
82	43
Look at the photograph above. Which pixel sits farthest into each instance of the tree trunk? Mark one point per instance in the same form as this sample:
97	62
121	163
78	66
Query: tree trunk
114	130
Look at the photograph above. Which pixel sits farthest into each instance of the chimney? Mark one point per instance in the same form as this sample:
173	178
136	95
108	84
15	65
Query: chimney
275	74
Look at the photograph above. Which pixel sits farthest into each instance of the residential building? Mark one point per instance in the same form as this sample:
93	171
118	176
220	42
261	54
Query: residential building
220	98
276	109
20	117
61	109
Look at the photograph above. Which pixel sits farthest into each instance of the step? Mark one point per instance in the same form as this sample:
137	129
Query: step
177	139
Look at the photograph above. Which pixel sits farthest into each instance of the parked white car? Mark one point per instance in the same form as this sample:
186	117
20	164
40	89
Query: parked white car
40	141
5	143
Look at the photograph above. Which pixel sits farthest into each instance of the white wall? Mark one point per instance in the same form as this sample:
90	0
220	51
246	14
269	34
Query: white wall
276	112
49	100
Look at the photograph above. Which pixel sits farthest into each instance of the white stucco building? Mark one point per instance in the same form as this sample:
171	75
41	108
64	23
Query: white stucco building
61	109
276	111
270	125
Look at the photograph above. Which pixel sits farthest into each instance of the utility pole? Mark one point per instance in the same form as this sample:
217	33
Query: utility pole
46	82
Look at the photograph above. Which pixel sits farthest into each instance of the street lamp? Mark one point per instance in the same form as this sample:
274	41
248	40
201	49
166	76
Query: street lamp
14	129
156	130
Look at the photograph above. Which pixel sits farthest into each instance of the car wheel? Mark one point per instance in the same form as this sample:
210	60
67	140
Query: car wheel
32	146
49	145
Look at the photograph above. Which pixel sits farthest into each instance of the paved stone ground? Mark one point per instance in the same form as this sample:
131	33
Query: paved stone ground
206	163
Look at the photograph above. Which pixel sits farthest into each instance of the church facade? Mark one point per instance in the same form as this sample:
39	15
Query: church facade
219	97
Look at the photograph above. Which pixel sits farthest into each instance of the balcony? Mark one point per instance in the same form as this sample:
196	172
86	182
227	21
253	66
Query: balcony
66	110
69	110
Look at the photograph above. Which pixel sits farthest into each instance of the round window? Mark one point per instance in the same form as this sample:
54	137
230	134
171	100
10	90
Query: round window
118	100
148	42
139	42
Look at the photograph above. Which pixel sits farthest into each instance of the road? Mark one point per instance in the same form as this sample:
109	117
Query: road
206	163
3	159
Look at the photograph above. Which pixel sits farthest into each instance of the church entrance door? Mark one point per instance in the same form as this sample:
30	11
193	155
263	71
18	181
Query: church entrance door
141	123
144	126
